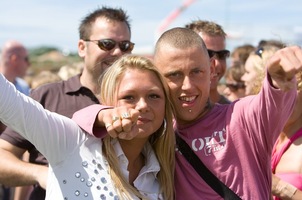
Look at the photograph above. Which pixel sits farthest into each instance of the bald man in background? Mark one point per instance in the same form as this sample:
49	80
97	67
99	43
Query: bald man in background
14	63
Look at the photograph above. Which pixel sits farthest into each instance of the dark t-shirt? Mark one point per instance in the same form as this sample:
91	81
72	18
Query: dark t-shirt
65	98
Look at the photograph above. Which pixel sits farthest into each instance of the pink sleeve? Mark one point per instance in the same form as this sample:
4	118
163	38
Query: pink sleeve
268	112
86	117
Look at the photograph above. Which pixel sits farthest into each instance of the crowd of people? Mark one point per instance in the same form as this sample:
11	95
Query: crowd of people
116	129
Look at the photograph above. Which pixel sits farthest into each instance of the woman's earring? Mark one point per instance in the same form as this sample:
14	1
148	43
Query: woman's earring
165	126
159	133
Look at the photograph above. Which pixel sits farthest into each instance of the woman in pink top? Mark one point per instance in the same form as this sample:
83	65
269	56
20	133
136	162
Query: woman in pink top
287	154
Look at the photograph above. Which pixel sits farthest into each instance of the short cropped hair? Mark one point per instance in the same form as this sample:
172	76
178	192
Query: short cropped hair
180	38
207	27
114	14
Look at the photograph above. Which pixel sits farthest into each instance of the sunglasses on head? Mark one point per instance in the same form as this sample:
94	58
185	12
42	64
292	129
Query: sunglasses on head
109	44
221	55
235	86
259	52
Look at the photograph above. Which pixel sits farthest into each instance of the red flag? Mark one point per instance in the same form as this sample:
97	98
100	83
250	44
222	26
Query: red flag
165	23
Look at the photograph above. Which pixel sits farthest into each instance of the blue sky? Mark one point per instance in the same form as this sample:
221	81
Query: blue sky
55	22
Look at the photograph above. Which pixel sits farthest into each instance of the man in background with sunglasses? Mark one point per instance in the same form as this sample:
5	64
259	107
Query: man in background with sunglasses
214	37
14	64
104	37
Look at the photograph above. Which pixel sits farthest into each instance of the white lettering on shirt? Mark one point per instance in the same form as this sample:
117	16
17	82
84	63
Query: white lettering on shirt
211	144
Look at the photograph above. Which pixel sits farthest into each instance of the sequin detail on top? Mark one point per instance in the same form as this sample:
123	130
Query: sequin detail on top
98	181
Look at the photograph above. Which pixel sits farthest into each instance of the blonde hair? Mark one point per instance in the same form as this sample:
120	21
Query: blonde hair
259	62
206	27
162	142
259	59
299	80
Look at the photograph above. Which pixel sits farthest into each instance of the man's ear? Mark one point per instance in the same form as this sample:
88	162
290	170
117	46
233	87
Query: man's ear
212	68
82	48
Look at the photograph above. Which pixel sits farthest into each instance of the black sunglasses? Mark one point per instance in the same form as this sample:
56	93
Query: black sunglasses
109	44
259	52
26	58
221	55
235	86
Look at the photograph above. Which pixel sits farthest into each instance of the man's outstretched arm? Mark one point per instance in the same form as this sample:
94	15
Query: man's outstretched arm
15	172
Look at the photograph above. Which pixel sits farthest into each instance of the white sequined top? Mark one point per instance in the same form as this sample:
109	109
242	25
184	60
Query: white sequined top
77	168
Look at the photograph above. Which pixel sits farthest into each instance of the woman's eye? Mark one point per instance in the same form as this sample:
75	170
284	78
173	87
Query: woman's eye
128	97
154	96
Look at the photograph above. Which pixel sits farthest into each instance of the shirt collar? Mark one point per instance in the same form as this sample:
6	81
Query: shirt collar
73	84
151	162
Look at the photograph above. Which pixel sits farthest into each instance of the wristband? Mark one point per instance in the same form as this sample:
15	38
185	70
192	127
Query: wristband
285	189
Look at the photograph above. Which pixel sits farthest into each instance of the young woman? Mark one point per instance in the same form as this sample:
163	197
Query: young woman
255	68
85	167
